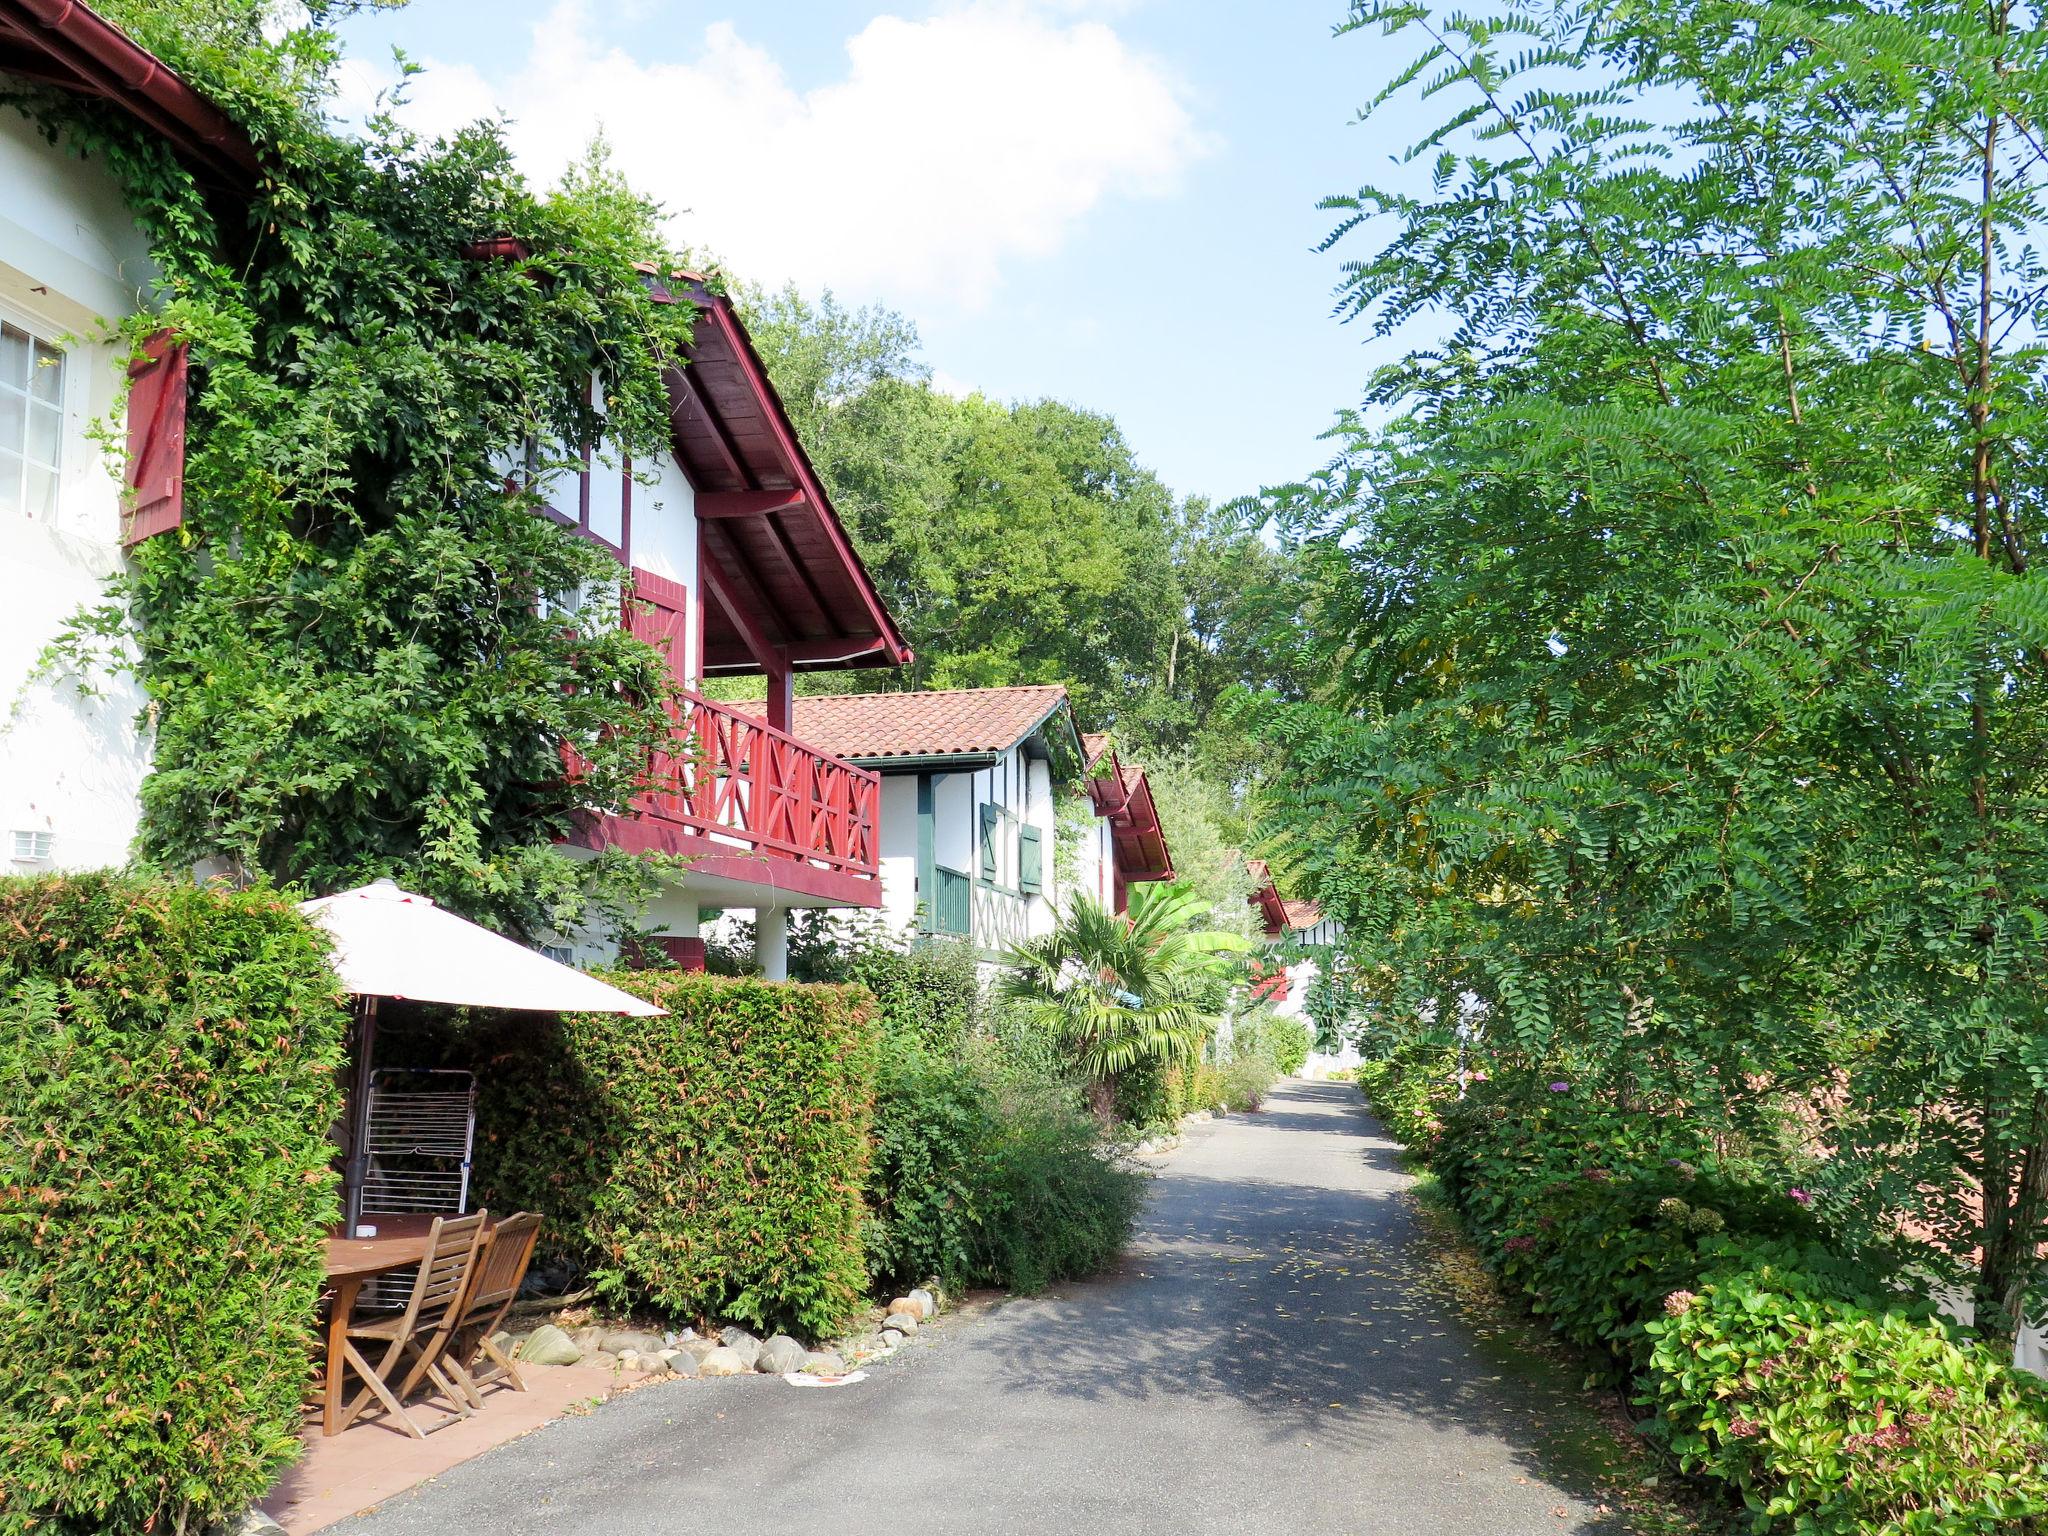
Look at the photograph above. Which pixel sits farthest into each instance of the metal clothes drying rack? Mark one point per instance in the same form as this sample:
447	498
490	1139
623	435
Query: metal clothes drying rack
420	1133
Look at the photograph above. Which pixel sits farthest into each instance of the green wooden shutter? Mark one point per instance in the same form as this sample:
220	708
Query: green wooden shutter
954	910
991	819
1030	861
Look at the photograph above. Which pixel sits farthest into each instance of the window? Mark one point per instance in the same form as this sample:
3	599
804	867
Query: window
31	423
32	847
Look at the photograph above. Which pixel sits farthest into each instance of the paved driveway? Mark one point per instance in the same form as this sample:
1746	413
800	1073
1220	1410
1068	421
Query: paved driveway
1272	1357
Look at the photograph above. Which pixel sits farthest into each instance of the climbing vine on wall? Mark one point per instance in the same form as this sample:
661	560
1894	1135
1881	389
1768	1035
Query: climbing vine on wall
364	651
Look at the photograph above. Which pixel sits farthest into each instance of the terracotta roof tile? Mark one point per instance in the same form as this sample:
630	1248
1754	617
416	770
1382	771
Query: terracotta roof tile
1302	914
1093	745
932	724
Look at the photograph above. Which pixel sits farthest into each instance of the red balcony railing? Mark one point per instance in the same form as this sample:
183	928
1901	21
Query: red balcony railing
739	782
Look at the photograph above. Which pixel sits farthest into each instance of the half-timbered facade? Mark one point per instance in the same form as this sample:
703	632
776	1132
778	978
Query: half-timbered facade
995	811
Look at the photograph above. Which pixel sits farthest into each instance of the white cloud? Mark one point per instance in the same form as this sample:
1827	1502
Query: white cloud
950	147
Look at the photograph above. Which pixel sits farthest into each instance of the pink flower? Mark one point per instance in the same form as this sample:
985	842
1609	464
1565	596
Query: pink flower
1744	1429
1803	1196
1678	1303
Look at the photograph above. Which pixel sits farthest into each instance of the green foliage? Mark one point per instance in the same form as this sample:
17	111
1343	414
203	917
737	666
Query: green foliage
708	1163
1843	1418
1123	989
364	655
934	1123
1410	1088
929	991
1688	705
1025	543
989	1173
1246	1078
1289	1043
168	1075
1056	1207
986	1171
1791	1370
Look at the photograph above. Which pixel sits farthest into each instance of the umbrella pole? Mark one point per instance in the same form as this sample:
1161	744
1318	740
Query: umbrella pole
359	1117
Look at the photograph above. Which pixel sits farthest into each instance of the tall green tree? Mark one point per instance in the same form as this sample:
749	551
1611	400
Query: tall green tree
1690	699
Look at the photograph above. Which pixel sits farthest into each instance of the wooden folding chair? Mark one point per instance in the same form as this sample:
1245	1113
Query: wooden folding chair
507	1252
414	1340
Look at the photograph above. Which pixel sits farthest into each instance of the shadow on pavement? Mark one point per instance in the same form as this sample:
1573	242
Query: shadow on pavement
1301	1284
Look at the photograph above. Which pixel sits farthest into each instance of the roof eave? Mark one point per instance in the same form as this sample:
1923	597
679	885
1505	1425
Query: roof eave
101	60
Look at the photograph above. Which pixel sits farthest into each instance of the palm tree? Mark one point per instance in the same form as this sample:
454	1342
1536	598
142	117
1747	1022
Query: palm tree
1118	990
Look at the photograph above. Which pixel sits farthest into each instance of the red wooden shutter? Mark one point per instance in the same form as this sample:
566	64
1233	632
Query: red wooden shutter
661	616
156	438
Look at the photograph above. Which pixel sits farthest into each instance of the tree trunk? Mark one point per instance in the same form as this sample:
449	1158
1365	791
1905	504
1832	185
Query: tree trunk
2014	1211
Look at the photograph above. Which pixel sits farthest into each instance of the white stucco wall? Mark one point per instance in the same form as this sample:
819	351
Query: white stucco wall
665	539
71	263
899	849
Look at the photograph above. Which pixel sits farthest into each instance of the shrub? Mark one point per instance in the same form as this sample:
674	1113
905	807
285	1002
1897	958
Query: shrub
1053	1208
1204	1087
1147	1093
1774	1359
989	1172
1289	1041
168	1075
708	1163
1840	1419
934	1121
1409	1089
930	991
1246	1077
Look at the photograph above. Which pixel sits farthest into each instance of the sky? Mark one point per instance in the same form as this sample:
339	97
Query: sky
1108	202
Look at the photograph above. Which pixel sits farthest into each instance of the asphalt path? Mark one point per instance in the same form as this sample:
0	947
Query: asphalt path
1275	1354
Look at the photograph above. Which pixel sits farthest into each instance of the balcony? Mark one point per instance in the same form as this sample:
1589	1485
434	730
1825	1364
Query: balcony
754	807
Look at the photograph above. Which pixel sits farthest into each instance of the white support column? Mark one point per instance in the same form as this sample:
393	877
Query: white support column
771	942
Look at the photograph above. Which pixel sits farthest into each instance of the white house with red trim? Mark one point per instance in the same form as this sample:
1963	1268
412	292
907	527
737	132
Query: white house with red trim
735	562
73	263
1301	940
995	810
731	555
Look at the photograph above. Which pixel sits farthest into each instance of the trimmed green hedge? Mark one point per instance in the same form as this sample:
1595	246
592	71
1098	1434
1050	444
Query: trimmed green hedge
168	1076
707	1163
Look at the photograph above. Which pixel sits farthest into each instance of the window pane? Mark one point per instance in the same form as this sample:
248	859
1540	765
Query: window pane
46	380
10	482
42	494
45	427
13	421
13	356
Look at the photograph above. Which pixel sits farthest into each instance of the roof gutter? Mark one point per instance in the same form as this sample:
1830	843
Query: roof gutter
108	62
923	762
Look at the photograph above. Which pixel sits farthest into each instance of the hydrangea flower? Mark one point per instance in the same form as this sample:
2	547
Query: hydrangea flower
1560	1087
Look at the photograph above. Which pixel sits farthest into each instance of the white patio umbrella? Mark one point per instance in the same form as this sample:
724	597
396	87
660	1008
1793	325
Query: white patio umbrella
390	942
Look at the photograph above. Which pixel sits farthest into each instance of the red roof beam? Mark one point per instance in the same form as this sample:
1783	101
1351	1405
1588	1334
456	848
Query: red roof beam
718	314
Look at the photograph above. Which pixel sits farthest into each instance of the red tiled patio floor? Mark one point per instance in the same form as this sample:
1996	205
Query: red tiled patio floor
372	1461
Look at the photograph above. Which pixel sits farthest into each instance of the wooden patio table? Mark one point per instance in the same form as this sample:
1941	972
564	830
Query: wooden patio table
352	1262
